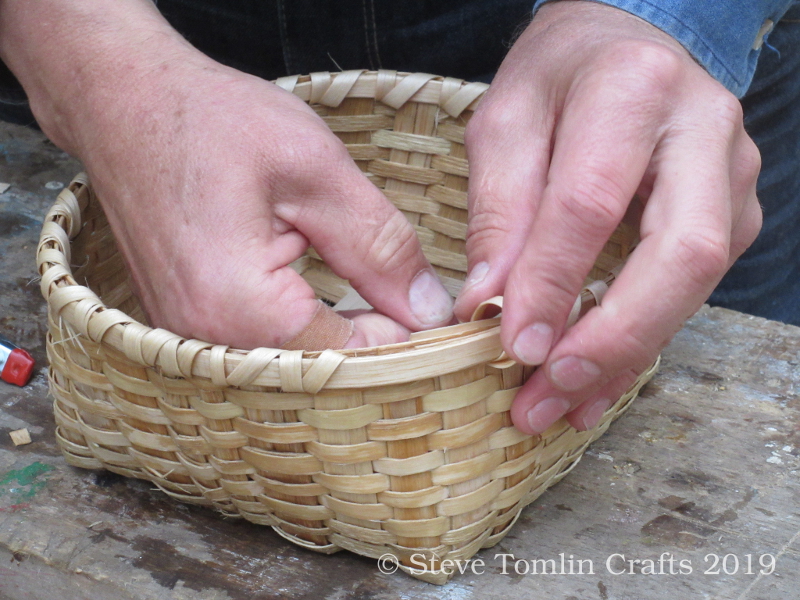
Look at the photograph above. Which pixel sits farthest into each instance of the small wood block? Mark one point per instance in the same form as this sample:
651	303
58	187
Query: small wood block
20	437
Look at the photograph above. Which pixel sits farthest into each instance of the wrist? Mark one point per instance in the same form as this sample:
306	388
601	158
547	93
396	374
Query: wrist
82	63
596	22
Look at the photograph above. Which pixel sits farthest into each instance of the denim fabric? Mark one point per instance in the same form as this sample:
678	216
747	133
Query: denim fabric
270	38
469	38
722	36
765	281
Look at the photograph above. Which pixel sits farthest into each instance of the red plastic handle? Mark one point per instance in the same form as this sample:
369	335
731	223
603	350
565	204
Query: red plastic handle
18	367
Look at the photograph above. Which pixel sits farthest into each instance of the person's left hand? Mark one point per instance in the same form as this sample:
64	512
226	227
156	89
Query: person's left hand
591	107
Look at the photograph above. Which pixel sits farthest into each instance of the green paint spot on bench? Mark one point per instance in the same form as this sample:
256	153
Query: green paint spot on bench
25	482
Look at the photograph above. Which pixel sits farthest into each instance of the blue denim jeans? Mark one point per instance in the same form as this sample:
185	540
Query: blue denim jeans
468	39
270	38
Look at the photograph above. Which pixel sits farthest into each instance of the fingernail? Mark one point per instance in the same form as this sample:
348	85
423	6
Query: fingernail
533	343
595	413
547	412
572	373
476	275
430	303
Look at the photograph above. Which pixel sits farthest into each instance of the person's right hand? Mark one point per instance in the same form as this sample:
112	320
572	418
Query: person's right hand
214	181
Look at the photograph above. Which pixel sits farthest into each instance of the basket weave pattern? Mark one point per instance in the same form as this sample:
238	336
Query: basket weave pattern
403	449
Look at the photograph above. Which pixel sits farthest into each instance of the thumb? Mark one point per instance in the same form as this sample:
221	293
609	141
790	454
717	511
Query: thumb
363	238
282	311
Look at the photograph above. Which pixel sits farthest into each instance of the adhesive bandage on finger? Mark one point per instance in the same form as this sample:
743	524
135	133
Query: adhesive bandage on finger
327	330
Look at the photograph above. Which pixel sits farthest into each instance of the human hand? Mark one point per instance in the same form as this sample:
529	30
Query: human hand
213	181
241	181
591	107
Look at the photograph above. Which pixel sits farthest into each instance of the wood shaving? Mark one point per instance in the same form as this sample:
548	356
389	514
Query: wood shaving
20	437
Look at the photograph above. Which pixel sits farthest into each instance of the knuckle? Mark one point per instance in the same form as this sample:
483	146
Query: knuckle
752	227
472	130
395	245
647	69
702	255
560	285
312	153
729	110
747	230
595	202
489	117
490	227
751	160
725	114
740	245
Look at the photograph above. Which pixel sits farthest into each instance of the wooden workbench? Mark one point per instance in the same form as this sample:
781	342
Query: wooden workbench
704	465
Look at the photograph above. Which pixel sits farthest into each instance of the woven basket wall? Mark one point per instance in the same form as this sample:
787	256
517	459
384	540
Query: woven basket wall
402	449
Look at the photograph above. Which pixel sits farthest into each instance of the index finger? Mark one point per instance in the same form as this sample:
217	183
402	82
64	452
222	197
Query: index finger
603	146
685	249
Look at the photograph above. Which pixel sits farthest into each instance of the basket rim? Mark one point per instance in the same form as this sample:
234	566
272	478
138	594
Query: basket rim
448	349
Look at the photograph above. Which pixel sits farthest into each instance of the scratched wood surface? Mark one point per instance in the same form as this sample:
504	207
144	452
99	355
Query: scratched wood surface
704	465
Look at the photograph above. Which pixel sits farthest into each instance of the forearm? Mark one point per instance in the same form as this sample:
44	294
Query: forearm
77	59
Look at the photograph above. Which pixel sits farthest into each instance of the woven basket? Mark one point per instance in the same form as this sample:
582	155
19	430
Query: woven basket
404	449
